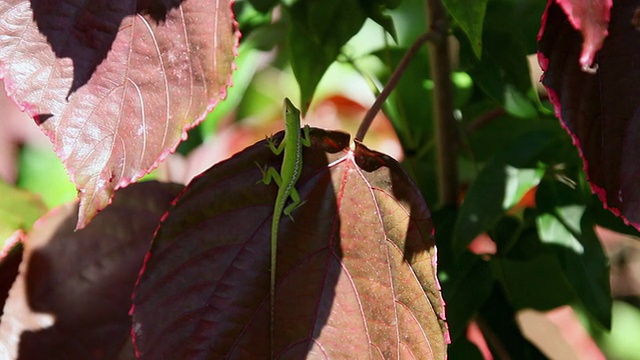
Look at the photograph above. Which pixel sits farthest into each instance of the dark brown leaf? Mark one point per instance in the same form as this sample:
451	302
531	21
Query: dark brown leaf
11	257
600	110
591	18
71	298
355	276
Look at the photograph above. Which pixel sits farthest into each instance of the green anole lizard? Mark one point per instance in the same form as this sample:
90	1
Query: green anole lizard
294	138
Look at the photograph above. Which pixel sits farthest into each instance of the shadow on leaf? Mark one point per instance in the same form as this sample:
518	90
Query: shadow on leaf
85	34
71	298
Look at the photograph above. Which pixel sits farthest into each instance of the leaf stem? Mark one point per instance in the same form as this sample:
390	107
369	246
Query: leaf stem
391	84
444	123
492	339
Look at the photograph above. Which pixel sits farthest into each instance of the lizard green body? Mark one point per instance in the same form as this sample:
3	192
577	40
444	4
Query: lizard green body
294	139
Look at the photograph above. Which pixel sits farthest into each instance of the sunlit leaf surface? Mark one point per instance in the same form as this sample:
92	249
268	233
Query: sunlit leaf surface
356	268
115	84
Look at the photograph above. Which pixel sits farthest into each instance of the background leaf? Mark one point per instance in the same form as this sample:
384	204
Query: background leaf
538	283
77	284
318	30
498	315
54	187
9	264
568	230
204	292
502	71
599	110
19	209
115	84
495	189
592	19
470	17
374	10
466	286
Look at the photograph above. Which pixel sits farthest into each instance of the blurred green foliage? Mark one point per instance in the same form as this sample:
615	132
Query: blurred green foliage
510	145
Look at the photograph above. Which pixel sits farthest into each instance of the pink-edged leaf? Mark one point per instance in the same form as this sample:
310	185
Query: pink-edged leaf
355	275
592	19
115	83
10	259
600	110
71	297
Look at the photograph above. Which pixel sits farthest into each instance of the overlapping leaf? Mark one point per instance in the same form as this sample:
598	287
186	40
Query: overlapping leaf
470	17
356	269
500	185
592	19
316	40
115	83
600	110
71	298
19	209
567	229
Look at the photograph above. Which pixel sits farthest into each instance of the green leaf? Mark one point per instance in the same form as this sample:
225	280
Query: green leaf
408	17
538	283
41	172
609	220
502	72
411	99
507	233
501	183
375	11
518	182
248	61
318	31
470	16
589	274
568	229
462	348
262	5
622	341
19	209
466	285
554	231
491	136
499	319
249	17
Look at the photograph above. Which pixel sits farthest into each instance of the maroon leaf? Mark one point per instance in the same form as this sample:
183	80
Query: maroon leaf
356	270
600	110
115	84
10	259
592	19
71	298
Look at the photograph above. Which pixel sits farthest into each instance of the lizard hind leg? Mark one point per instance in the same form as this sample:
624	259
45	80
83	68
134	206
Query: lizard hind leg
295	203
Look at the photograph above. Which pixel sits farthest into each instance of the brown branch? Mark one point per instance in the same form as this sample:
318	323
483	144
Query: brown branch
444	123
492	339
391	84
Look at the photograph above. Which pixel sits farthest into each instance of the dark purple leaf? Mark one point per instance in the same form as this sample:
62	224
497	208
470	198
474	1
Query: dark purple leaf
599	109
115	84
71	298
591	18
355	276
11	257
